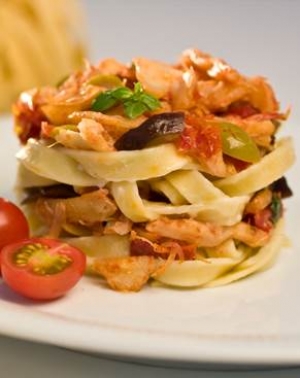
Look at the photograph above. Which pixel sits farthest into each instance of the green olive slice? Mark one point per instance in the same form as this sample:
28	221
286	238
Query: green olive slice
238	144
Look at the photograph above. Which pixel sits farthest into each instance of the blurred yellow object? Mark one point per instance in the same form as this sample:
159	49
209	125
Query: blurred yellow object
41	41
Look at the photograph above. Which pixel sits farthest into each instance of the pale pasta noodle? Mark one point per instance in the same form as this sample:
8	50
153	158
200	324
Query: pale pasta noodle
131	165
50	163
258	176
265	257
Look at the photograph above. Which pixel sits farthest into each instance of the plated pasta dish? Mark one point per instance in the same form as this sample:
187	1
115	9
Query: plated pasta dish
166	173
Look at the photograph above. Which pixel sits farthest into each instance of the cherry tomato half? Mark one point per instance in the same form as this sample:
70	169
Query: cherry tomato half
13	223
42	268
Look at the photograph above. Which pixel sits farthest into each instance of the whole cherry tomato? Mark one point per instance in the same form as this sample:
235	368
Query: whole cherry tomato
13	223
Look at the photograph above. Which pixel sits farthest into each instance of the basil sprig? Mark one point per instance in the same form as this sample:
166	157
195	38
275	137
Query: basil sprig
135	102
276	208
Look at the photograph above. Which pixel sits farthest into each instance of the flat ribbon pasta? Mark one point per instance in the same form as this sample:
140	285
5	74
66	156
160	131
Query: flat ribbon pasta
104	246
31	32
188	274
131	165
126	195
219	271
258	176
164	187
49	162
193	186
264	257
226	249
28	179
226	210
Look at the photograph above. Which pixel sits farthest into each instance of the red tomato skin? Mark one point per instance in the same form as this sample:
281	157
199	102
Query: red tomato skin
262	220
13	223
243	109
201	140
42	287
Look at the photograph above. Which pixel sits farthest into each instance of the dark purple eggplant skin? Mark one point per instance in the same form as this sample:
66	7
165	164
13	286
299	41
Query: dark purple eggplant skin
61	191
165	126
281	186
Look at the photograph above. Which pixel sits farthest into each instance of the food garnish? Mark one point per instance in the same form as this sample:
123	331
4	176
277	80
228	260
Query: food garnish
135	102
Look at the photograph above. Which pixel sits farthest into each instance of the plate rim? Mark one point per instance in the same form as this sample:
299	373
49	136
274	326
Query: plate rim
117	341
149	345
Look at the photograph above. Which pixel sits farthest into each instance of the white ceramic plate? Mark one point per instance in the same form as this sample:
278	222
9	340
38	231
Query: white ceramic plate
255	321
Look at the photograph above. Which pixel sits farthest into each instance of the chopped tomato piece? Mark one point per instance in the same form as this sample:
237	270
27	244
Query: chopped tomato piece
28	120
140	246
243	109
201	140
263	219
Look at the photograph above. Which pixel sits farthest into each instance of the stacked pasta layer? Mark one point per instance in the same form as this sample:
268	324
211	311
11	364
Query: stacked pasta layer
162	172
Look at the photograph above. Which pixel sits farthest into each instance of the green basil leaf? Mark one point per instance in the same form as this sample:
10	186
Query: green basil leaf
103	101
138	88
134	109
122	93
135	102
276	208
151	102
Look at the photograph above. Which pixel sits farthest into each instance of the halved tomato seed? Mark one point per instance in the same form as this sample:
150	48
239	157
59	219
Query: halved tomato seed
39	259
41	268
